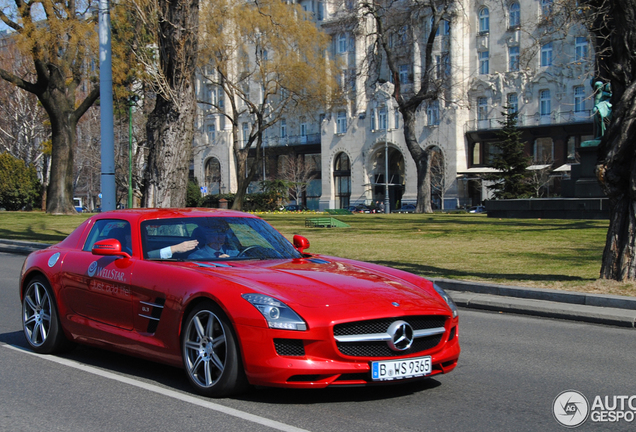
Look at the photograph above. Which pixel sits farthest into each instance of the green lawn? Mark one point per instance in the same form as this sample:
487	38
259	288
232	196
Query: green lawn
561	254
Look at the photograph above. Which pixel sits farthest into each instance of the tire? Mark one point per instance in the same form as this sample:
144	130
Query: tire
40	320
210	353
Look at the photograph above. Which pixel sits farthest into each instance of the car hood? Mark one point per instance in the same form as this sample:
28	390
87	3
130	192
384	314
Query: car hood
332	282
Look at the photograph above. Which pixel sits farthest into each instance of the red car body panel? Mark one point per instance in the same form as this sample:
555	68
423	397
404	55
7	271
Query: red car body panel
106	301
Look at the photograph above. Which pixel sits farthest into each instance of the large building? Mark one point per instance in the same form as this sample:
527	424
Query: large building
490	56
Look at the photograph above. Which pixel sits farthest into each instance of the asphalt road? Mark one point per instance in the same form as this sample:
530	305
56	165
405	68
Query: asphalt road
510	372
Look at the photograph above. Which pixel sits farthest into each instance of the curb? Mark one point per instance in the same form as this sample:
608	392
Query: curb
21	247
575	306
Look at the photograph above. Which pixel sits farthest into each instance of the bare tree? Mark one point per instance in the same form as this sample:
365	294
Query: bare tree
59	42
394	26
261	61
297	173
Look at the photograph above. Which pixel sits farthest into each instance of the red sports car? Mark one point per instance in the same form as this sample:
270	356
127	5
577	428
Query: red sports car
227	297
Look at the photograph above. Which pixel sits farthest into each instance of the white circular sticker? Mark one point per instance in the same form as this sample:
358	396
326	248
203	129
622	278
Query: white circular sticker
92	268
571	408
53	259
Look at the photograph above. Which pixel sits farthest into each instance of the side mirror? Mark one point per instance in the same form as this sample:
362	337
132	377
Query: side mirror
109	247
301	243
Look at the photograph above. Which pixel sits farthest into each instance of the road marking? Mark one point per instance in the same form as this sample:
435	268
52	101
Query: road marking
163	391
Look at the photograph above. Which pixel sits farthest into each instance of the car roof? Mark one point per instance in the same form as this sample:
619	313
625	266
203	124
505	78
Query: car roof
139	215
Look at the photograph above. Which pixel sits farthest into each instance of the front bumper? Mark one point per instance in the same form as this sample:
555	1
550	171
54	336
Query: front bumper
319	363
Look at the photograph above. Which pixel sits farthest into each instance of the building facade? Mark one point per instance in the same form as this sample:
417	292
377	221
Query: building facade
491	56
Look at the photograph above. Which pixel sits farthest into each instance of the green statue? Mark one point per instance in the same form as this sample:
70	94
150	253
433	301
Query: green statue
602	112
602	108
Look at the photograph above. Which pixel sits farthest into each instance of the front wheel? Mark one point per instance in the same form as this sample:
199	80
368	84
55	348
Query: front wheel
210	353
40	319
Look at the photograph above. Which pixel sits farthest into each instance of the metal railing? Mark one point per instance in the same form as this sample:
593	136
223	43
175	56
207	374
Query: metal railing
530	120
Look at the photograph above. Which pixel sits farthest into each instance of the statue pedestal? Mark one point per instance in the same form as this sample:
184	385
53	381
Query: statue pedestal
587	185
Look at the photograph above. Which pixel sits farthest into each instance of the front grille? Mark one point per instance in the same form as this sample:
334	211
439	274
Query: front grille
289	347
381	348
381	325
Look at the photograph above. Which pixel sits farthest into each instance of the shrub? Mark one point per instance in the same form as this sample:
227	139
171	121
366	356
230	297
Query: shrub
19	184
193	194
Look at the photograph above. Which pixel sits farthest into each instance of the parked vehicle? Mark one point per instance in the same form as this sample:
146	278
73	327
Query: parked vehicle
406	208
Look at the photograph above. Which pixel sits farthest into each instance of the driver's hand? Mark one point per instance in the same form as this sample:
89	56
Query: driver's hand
184	246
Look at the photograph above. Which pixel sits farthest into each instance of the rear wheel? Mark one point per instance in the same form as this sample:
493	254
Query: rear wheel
40	320
210	352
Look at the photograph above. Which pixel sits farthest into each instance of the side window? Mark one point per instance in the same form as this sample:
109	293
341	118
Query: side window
107	229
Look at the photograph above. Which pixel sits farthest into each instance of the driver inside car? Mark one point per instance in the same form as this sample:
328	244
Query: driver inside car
215	245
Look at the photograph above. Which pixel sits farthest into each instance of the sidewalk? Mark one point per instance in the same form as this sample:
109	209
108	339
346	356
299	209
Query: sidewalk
594	308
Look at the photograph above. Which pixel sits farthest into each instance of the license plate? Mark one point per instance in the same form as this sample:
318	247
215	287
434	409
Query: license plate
400	369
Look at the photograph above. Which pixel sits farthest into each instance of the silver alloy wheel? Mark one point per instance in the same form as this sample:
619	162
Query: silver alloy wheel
36	314
205	349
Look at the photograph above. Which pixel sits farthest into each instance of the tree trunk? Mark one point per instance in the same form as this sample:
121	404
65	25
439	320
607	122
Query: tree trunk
617	175
170	128
59	196
421	158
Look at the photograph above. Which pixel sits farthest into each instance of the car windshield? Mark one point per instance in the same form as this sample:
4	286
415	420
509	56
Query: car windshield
217	238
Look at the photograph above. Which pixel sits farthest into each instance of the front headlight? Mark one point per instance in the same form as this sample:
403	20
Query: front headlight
277	313
447	299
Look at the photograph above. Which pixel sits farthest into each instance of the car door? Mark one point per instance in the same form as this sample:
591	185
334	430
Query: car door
98	287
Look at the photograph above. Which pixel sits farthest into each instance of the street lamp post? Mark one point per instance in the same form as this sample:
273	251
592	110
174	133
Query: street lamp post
131	103
130	130
387	201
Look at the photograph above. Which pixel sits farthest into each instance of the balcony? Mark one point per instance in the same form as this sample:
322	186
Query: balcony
530	120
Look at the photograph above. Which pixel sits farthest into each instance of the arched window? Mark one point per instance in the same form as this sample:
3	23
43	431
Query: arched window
484	20
342	180
213	176
514	18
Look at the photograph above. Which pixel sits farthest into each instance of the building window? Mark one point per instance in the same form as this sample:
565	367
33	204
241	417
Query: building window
342	122
482	108
432	112
513	59
512	103
579	99
543	150
211	133
283	128
404	74
213	176
484	20
546	54
484	62
514	19
444	25
546	8
580	49
382	119
396	121
476	154
342	180
303	133
246	134
321	11
545	103
210	94
342	43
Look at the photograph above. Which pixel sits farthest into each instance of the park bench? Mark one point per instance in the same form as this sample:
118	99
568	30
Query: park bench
324	222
